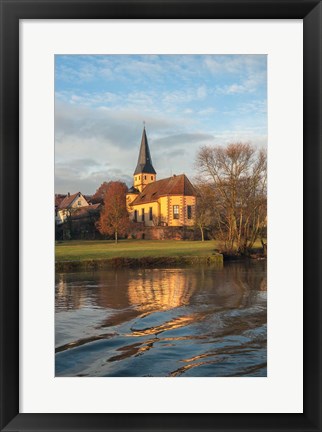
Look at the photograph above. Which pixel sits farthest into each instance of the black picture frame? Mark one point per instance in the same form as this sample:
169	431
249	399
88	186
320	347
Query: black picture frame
14	10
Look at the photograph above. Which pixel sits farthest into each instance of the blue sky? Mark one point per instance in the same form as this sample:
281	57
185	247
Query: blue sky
186	101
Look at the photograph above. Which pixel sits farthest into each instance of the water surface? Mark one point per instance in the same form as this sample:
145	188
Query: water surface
180	322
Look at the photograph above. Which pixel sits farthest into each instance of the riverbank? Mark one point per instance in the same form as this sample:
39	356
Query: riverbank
77	255
145	262
85	255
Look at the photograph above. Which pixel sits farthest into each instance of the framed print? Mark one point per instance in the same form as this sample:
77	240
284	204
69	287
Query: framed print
174	280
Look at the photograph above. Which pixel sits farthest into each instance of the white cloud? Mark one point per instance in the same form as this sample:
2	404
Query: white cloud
250	84
252	136
206	111
102	102
96	144
181	97
233	64
184	138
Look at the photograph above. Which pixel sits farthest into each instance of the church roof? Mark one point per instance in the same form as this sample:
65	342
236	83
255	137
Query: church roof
133	190
175	185
144	164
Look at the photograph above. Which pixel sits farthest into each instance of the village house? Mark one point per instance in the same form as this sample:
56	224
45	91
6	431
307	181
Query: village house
167	202
75	217
68	205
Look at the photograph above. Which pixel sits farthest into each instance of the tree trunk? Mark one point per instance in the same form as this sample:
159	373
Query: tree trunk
202	233
116	237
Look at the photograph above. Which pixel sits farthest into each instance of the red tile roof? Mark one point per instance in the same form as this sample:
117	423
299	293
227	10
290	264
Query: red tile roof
58	199
81	212
175	185
67	201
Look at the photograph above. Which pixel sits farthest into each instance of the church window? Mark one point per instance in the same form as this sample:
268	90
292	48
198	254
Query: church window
151	177
142	214
189	212
139	177
135	178
150	213
135	215
79	203
175	212
144	177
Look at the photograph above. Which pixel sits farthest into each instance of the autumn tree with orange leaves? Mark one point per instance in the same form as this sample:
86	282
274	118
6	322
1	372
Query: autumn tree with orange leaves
98	196
114	218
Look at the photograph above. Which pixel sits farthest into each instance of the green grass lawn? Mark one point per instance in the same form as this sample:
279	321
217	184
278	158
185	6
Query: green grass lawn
76	250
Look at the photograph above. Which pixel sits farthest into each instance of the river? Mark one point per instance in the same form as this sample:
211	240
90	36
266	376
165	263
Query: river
180	322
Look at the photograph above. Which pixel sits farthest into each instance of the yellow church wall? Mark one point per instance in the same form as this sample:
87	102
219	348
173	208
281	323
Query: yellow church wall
164	214
182	202
189	201
155	213
129	199
167	210
163	210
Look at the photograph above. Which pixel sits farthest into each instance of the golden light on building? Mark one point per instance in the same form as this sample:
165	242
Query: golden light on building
166	202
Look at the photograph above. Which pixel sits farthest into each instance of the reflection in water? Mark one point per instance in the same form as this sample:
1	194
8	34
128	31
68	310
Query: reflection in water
162	322
174	289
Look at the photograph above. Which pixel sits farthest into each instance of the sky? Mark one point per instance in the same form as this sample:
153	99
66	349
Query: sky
186	101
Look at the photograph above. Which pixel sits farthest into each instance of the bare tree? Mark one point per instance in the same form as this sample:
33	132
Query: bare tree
237	174
204	215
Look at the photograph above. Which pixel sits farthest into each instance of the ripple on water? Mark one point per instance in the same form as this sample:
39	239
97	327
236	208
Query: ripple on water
157	322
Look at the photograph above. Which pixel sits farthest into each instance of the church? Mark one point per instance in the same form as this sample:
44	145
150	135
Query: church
167	202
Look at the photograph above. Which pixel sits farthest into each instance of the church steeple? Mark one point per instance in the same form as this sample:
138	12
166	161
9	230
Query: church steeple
144	164
144	172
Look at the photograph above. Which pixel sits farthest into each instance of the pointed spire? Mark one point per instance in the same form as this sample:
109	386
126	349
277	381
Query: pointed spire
144	164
